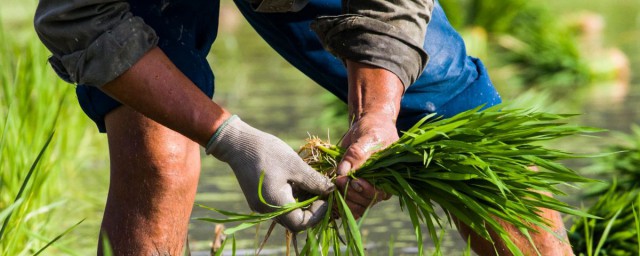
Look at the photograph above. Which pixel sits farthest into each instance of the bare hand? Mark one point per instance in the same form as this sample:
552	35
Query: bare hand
374	103
368	135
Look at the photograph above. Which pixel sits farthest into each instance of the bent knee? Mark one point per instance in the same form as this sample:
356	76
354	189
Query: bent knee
139	147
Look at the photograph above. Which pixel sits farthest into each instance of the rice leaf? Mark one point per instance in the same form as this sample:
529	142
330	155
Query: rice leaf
411	209
605	234
26	181
58	237
260	182
107	249
221	249
233	245
354	232
637	222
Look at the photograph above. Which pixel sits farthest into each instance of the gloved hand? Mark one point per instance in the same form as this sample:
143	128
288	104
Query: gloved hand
250	152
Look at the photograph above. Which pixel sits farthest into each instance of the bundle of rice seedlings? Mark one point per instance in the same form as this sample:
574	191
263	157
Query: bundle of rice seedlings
475	166
616	234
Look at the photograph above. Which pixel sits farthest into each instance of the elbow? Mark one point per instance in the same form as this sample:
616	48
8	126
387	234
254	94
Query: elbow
47	26
70	26
40	24
43	32
40	21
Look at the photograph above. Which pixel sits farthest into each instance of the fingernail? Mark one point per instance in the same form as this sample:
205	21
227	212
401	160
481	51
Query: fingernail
356	186
344	168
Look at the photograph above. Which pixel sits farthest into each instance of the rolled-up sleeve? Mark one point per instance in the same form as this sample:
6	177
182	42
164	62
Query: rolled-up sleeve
383	33
94	41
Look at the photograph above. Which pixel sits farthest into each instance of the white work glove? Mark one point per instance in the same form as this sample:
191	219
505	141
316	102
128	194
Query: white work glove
250	152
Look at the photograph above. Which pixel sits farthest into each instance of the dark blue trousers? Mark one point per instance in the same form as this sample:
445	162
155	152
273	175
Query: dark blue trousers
451	83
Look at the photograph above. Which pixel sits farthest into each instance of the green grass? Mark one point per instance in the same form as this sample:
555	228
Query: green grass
621	163
617	202
616	234
529	46
40	189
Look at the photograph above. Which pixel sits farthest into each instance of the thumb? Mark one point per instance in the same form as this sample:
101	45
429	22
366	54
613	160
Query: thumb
299	219
353	158
312	181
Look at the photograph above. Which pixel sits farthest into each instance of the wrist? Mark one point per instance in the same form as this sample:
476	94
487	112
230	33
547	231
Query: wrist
230	139
373	91
219	130
378	116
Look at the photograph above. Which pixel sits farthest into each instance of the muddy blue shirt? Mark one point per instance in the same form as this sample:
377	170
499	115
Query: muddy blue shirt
95	41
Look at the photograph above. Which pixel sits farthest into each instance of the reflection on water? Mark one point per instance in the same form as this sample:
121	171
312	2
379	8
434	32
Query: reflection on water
285	103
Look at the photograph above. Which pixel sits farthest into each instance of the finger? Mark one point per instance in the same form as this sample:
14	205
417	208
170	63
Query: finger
357	198
364	188
343	168
353	193
346	140
375	194
384	195
312	181
361	187
356	210
342	182
299	219
353	158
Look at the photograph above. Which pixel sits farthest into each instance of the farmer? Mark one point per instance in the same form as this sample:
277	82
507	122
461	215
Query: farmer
143	77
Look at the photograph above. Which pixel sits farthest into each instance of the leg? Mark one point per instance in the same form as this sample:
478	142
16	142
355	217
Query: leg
154	176
154	170
546	243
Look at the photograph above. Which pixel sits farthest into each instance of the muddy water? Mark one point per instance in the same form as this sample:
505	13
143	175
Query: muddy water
279	100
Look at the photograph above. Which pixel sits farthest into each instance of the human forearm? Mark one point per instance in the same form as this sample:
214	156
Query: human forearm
101	43
374	102
373	90
154	87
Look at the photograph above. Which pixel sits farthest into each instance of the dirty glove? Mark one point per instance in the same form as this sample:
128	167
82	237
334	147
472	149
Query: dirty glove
250	152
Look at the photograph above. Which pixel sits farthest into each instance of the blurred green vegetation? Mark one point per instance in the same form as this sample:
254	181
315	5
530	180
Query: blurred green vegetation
617	201
616	233
540	49
621	165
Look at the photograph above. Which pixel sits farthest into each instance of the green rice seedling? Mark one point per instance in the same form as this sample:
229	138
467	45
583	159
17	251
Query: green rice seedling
107	250
11	226
475	166
623	164
616	234
617	201
34	102
58	237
